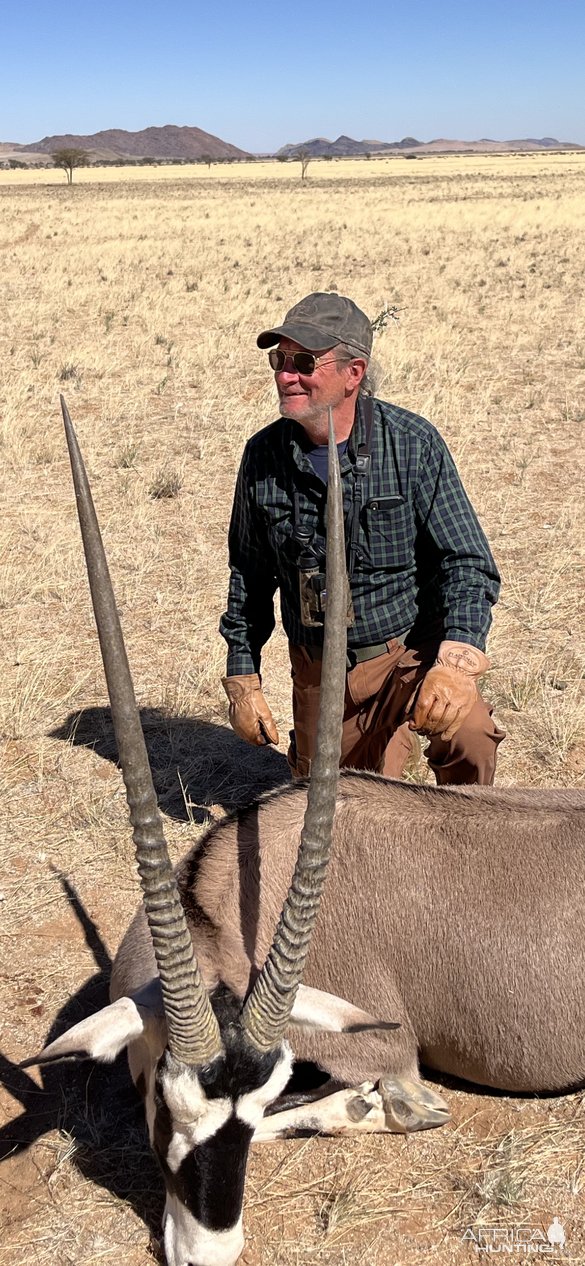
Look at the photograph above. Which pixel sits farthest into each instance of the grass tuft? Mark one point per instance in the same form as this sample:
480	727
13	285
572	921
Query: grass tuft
70	373
127	456
165	485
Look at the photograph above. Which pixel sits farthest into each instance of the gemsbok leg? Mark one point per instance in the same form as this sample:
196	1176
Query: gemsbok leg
395	1106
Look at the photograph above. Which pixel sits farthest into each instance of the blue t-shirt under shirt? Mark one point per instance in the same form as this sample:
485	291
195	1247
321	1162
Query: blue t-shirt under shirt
319	458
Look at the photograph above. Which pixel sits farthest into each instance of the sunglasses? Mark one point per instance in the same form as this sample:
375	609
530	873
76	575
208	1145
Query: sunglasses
304	362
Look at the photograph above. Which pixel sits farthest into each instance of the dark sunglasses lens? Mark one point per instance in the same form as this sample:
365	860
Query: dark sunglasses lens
304	362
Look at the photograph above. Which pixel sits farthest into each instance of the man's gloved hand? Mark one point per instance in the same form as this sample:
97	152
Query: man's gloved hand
448	692
249	714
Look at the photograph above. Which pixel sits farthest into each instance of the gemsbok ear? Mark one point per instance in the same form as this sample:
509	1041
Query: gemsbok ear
326	1013
101	1036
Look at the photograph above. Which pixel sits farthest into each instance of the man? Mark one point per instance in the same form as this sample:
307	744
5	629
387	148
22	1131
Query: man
421	575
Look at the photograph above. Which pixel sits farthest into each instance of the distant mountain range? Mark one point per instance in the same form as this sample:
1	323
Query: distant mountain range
191	143
152	142
345	147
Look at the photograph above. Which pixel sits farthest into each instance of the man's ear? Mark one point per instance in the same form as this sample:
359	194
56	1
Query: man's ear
325	1013
102	1036
358	368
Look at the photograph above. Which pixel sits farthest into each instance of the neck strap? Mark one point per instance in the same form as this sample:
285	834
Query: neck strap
363	459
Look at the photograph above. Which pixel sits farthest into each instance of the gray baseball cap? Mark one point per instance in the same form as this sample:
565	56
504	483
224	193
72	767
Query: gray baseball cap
319	322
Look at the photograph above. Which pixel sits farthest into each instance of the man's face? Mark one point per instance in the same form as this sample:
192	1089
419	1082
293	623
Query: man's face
306	397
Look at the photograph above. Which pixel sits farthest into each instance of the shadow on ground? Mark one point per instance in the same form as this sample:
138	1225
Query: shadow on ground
95	1105
194	763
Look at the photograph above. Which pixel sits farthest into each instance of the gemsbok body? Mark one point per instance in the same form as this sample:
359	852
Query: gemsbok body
451	931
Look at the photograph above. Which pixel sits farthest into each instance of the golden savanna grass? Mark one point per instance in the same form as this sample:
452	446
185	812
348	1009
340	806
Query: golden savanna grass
138	293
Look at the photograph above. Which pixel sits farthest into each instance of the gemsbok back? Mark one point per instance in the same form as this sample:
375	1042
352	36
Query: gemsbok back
452	929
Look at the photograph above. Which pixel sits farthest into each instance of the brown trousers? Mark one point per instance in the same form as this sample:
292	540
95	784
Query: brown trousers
375	720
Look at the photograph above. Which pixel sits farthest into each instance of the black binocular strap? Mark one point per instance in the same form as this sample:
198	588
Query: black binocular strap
362	466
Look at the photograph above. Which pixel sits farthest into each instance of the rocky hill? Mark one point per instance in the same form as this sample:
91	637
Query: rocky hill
191	143
345	147
152	142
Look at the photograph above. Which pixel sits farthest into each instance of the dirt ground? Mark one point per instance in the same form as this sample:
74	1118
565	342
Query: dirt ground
139	298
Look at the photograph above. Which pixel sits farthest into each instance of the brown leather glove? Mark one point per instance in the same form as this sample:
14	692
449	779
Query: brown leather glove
448	692
249	714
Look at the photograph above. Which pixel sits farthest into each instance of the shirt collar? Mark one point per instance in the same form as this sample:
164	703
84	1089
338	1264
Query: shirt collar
294	439
294	436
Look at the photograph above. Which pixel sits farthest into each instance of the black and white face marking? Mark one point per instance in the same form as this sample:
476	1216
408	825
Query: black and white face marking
201	1123
186	1241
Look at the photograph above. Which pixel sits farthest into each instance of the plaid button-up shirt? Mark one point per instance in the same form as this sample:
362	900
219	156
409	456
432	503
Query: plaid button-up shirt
420	553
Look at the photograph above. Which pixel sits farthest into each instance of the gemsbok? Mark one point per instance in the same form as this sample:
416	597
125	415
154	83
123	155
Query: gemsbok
452	929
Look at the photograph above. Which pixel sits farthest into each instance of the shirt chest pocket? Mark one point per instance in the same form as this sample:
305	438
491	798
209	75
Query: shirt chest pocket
389	529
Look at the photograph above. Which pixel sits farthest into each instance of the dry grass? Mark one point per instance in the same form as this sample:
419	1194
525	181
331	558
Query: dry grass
138	294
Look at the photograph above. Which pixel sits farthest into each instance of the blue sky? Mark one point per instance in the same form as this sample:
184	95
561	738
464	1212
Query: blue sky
260	74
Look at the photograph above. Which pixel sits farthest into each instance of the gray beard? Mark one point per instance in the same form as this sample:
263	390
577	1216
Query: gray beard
315	421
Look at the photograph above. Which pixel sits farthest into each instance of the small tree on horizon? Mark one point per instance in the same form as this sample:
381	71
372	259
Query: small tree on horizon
304	157
68	159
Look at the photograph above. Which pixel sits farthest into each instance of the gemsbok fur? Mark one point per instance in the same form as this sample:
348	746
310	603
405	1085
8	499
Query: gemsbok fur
451	930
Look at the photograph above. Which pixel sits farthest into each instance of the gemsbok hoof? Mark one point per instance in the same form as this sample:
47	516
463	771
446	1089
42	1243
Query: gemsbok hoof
408	1106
